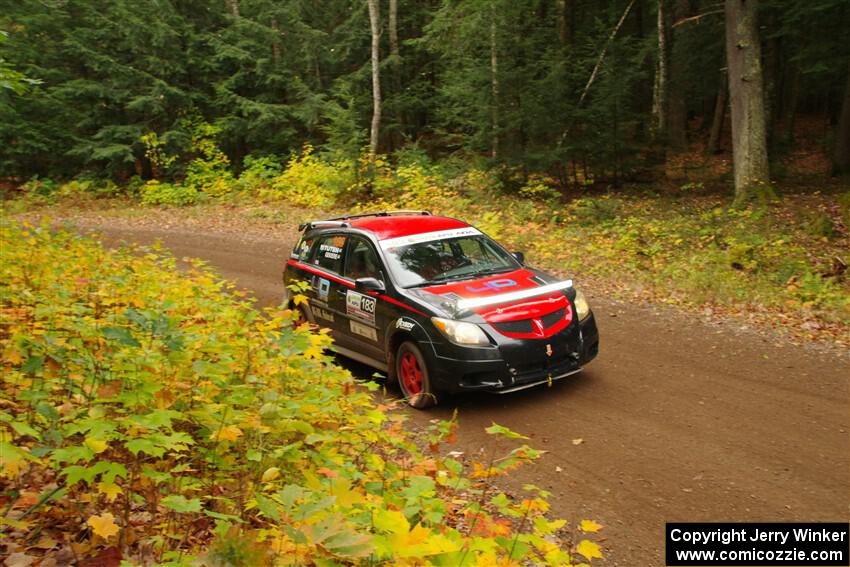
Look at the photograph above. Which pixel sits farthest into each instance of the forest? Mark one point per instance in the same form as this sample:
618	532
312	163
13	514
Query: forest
585	93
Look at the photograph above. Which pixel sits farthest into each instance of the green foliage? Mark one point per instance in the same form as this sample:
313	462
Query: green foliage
311	181
591	211
160	193
258	172
150	408
209	171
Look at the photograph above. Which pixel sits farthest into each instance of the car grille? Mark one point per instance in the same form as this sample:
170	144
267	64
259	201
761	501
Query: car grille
524	326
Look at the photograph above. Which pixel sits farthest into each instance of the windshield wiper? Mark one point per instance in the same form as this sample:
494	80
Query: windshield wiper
492	271
441	279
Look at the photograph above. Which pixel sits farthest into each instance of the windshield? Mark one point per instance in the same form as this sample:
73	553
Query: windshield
436	261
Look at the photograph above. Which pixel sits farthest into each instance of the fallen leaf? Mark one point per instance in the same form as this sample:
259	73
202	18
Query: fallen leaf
589	526
19	560
589	549
104	525
578	441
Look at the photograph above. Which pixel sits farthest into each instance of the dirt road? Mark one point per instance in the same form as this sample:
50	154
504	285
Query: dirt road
679	420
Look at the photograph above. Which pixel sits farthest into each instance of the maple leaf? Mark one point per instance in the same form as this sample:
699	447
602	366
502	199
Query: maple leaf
227	433
589	549
96	445
109	489
590	526
104	525
12	356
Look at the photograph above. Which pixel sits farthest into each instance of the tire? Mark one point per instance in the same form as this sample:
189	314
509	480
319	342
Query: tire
413	378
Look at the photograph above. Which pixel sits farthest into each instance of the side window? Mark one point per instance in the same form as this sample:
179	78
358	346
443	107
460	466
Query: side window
328	253
302	249
361	261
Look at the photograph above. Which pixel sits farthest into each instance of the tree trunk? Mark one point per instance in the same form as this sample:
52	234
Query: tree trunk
719	118
233	6
276	42
841	157
677	108
396	133
393	25
374	23
659	98
494	87
746	90
566	20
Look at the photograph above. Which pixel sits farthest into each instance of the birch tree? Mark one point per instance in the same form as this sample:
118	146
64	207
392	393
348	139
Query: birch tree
375	25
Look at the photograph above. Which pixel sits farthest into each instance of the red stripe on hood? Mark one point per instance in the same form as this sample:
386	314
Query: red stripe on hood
532	309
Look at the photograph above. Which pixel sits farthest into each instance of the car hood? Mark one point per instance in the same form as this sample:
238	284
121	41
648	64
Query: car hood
445	297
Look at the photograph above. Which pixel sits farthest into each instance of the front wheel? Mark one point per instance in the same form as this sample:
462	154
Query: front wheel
413	379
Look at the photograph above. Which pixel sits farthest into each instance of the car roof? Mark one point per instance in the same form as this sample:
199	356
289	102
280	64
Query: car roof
404	225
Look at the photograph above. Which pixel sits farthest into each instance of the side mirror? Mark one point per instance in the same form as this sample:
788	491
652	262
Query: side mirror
369	284
519	256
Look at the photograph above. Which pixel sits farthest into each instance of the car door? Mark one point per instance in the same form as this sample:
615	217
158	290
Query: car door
327	295
365	318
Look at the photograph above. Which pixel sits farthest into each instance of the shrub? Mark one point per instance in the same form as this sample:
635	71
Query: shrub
588	210
258	172
156	413
158	193
310	181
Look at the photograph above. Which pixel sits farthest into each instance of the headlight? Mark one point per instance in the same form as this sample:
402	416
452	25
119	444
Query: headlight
582	308
460	332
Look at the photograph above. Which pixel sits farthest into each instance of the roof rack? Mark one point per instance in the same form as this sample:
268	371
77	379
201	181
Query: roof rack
381	214
338	221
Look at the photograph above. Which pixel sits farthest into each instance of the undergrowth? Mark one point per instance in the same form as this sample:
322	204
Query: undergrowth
149	417
788	256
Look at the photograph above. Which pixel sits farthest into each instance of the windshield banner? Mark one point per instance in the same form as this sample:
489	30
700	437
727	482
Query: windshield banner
428	237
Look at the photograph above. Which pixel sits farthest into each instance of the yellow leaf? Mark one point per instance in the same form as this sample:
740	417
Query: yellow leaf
227	433
589	549
299	299
12	356
104	525
391	521
96	445
111	490
271	474
589	526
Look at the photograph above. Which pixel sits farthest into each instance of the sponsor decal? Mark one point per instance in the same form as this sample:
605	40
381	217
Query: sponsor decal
363	330
492	285
305	247
323	314
428	237
330	251
360	306
321	286
404	324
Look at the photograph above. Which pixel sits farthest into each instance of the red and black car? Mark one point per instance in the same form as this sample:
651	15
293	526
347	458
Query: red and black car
439	305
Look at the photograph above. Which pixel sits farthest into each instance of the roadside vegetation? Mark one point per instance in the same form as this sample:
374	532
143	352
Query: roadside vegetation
780	262
147	415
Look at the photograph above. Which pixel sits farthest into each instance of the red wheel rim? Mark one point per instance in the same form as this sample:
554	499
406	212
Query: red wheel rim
411	374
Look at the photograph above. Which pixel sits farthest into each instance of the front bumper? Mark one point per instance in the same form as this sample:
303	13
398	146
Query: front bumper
514	364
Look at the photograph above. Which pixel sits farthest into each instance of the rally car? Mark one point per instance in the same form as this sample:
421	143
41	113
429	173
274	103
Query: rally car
438	305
